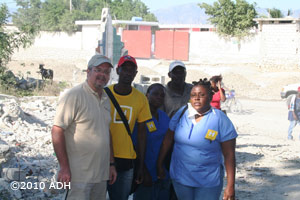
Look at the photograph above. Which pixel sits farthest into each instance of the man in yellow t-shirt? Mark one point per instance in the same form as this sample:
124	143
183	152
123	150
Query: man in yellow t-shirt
136	110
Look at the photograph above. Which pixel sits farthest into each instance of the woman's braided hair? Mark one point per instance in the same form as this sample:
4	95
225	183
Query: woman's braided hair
206	84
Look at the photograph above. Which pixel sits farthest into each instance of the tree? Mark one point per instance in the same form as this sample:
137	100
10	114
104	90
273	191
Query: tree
94	8
55	15
231	19
142	10
9	41
68	19
51	14
27	17
126	9
275	13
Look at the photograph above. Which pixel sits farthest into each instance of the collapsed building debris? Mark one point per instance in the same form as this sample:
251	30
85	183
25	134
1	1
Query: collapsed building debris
26	152
21	83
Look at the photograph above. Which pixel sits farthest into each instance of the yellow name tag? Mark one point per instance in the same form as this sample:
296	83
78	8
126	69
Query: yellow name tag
151	126
211	135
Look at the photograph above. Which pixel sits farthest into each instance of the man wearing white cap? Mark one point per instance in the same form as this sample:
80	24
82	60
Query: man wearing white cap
177	90
177	95
81	137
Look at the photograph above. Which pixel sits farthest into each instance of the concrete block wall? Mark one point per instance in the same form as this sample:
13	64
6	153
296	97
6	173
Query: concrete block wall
208	47
277	44
280	44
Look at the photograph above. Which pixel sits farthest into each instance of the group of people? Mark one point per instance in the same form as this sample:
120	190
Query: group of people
100	148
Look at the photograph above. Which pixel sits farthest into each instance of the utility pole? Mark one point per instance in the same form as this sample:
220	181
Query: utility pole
70	5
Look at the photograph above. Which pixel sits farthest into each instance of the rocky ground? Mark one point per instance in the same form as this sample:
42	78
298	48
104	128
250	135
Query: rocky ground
267	163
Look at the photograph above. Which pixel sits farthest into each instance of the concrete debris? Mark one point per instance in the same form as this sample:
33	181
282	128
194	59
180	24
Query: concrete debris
4	149
25	84
6	192
26	151
10	112
13	174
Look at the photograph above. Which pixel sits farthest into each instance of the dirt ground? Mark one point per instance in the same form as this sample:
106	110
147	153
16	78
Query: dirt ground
268	165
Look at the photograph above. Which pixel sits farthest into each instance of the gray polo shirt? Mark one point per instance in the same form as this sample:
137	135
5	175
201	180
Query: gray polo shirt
174	101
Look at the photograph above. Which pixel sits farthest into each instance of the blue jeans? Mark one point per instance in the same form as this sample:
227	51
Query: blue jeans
291	127
184	192
160	190
120	190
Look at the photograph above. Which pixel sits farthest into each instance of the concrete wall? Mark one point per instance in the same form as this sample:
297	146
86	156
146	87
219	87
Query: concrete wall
208	47
280	44
75	49
275	44
89	37
205	47
58	40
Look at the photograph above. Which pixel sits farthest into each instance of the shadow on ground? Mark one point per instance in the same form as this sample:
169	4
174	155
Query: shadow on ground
262	183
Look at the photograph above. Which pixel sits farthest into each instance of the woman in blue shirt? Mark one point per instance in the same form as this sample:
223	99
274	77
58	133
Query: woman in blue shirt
152	188
202	136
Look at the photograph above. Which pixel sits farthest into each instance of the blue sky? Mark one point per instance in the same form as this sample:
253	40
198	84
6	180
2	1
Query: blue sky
279	4
8	2
158	4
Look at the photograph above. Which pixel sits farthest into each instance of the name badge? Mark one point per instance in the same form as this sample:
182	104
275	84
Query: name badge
151	126
211	135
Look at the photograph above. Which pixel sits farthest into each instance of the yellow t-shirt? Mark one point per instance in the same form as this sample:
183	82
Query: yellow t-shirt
136	109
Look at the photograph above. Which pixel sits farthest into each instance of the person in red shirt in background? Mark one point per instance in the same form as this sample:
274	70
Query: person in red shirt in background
219	92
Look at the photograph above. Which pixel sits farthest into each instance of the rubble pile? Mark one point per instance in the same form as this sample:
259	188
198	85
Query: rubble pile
26	152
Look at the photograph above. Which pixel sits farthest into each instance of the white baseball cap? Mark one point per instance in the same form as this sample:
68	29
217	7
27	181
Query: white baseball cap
175	64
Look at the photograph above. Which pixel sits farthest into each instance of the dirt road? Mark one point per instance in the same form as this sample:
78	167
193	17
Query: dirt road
268	165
